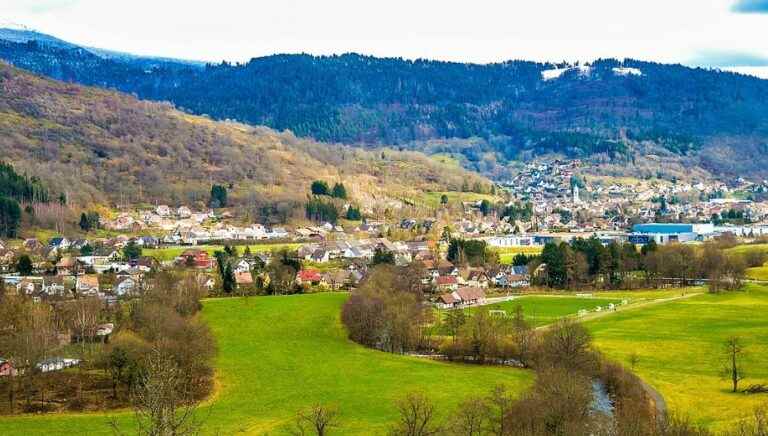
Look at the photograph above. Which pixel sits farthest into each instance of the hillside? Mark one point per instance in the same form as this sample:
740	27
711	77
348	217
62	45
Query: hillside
487	115
93	144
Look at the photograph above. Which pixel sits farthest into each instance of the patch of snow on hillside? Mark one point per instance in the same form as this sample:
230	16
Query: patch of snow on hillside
553	74
584	70
627	71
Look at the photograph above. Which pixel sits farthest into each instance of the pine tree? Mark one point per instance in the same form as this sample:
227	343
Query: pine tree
339	191
85	225
10	217
24	265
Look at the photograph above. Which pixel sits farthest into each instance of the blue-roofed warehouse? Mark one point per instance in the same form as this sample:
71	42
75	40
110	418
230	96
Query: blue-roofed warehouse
664	233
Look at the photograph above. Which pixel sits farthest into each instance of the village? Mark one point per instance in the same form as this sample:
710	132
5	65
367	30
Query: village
547	202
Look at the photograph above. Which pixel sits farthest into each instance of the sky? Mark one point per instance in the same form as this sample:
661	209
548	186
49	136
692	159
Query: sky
713	33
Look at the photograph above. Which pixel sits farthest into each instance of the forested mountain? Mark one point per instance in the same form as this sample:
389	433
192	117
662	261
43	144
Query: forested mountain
92	144
487	113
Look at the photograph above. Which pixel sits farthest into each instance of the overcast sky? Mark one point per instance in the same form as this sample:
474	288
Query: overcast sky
719	33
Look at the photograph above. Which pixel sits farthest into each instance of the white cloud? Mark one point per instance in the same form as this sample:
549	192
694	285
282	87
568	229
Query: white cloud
479	31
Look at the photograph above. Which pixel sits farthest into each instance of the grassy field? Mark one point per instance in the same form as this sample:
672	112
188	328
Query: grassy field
281	354
541	310
170	253
506	254
680	343
546	309
648	294
749	247
757	273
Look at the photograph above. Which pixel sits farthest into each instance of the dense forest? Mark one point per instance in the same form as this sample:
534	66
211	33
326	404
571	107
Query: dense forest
511	110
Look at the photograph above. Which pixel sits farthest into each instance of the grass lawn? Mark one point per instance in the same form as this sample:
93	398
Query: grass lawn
758	273
506	254
541	310
648	294
170	253
748	247
680	344
281	354
545	309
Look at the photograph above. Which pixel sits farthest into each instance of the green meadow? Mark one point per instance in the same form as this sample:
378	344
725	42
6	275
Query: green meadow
679	348
281	354
507	254
171	253
544	309
756	273
541	310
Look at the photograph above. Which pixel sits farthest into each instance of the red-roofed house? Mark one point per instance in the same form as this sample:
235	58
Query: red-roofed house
467	296
447	283
196	258
244	279
309	277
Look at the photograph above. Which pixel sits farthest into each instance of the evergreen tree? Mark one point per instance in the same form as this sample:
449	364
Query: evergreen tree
131	251
319	187
84	224
218	196
353	214
339	191
553	256
319	210
228	283
10	217
485	207
24	265
381	256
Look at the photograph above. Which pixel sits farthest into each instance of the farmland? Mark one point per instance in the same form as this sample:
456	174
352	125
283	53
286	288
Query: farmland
679	348
281	354
170	253
541	310
506	254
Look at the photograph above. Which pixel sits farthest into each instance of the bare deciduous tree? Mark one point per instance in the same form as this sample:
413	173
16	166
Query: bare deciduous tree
733	351
500	402
417	417
317	420
161	400
470	418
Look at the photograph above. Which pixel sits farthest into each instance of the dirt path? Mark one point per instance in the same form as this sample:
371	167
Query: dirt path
619	309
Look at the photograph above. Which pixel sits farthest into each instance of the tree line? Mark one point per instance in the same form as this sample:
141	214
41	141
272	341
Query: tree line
588	263
14	190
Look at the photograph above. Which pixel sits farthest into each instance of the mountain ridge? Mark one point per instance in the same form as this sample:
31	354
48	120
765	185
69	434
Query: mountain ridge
487	114
102	146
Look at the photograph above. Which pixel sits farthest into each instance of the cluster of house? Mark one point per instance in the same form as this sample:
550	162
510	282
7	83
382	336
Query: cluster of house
364	250
51	364
161	217
564	201
60	268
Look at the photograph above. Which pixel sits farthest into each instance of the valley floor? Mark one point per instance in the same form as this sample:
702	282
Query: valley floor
281	354
680	344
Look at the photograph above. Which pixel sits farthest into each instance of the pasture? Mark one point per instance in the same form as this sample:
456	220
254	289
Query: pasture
281	354
679	348
507	254
756	273
545	309
170	253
